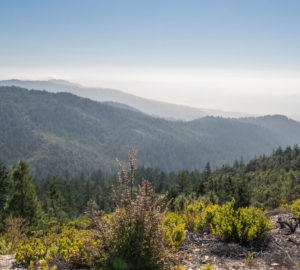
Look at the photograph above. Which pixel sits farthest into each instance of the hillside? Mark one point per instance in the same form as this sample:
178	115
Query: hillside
151	107
62	132
269	180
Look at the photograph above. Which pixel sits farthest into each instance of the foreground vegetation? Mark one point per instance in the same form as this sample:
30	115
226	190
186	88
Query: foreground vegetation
134	226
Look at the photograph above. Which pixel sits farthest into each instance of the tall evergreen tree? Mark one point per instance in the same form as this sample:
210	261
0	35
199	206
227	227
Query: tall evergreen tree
207	172
23	201
4	187
243	194
229	189
55	203
183	182
200	186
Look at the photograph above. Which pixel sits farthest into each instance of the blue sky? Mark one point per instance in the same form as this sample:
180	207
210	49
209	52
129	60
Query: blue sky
157	33
190	51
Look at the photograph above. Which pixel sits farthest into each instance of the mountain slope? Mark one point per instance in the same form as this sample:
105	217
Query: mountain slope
59	132
270	180
286	129
150	107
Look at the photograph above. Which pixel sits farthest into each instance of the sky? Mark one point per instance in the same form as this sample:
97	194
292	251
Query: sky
237	55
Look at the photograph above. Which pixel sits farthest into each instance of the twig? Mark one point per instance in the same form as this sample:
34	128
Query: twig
282	249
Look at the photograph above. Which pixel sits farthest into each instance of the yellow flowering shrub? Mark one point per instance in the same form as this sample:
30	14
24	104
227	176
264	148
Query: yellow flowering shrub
15	230
30	249
295	208
242	225
44	265
174	229
134	236
72	245
140	231
192	214
139	234
197	215
207	267
284	205
5	247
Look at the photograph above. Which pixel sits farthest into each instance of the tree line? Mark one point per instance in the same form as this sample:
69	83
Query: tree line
264	182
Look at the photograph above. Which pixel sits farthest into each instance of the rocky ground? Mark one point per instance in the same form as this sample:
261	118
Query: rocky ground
8	262
280	250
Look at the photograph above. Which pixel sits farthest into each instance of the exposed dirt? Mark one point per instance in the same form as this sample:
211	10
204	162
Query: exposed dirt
280	250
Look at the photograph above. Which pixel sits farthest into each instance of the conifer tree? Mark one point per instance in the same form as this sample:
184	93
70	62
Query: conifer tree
243	194
23	201
183	182
55	202
4	187
200	187
229	189
207	172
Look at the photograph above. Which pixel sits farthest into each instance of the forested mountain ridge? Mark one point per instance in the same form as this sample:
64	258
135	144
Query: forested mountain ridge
151	107
269	180
278	124
264	182
62	132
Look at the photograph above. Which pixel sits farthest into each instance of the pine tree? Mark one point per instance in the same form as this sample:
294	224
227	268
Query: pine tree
243	194
55	202
183	182
23	201
68	194
200	187
229	189
4	187
207	172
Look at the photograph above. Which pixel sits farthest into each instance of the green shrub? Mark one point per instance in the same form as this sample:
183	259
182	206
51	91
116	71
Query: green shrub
198	215
15	231
134	237
174	229
71	245
295	208
242	225
193	214
5	247
139	234
207	267
30	250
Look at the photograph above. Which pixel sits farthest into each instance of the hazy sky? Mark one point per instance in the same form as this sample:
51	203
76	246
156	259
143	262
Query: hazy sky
241	55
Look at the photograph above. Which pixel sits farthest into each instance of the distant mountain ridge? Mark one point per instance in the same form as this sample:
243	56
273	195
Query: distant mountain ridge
59	132
151	107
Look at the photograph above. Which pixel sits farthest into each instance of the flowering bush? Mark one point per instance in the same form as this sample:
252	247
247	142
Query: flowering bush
242	225
134	236
174	229
207	267
197	215
295	208
30	249
193	215
15	231
5	246
72	246
139	234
